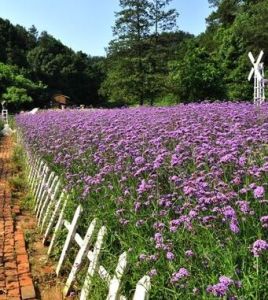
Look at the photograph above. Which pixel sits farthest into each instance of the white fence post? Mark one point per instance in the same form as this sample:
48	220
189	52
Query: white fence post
39	178
69	238
93	264
33	166
53	217
42	185
51	194
34	181
44	192
80	256
57	228
115	282
142	289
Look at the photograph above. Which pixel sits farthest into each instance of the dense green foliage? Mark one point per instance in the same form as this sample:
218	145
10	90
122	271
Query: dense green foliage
235	28
42	58
149	61
15	88
138	57
213	65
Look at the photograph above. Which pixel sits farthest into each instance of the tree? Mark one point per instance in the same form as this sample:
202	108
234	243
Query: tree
64	71
41	57
132	26
137	58
15	42
34	32
252	27
15	88
226	12
196	77
162	20
235	28
16	96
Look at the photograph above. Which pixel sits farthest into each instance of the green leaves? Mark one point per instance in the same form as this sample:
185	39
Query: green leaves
16	88
197	76
149	60
41	57
16	95
137	58
235	28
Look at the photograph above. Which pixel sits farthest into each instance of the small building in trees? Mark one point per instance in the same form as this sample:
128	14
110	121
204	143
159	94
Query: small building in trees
60	101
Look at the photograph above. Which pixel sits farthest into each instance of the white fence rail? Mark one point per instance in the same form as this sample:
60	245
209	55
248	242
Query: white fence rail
50	203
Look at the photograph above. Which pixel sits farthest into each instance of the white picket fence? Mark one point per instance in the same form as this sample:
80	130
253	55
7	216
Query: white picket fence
50	203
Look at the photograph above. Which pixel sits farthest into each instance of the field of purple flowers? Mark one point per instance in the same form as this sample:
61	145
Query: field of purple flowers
183	189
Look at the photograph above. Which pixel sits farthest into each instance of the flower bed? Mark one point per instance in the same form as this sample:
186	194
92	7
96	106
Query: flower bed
183	189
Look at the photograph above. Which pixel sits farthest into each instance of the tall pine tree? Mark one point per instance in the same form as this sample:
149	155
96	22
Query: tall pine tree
131	28
163	20
136	64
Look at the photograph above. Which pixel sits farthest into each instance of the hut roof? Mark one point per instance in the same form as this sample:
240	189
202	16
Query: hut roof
61	99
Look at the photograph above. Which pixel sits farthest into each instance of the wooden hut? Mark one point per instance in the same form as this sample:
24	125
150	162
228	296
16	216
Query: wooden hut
60	101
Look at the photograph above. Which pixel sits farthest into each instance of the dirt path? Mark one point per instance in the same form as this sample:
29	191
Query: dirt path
15	276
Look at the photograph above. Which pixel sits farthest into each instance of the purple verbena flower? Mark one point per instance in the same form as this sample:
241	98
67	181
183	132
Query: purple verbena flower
189	253
170	256
182	273
259	247
259	192
152	272
264	221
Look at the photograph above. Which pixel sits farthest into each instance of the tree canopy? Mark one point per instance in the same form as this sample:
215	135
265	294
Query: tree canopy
138	56
43	58
149	60
15	88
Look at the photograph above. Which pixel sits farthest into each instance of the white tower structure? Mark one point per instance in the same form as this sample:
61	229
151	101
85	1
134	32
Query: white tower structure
258	72
4	113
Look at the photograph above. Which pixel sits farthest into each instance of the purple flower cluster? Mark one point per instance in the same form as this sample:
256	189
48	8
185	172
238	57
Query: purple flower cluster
189	253
182	273
264	221
222	287
259	247
259	192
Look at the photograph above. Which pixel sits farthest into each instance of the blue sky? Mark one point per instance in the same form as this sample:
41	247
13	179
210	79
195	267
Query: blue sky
86	24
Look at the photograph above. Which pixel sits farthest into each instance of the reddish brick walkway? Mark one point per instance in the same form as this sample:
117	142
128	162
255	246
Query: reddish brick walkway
15	277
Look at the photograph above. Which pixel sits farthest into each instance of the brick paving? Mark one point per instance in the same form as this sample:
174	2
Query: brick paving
15	276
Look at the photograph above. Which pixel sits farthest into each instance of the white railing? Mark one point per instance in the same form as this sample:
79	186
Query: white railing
50	204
